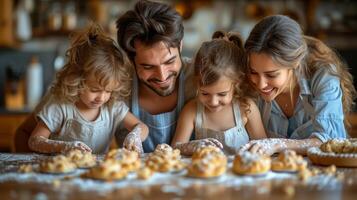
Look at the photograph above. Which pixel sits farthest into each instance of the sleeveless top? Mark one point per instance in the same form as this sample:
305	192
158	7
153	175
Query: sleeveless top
232	139
161	126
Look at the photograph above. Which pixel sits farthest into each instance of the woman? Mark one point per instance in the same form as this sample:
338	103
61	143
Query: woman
305	90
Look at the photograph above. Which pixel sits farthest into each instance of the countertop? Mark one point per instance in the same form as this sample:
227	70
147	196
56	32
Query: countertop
177	185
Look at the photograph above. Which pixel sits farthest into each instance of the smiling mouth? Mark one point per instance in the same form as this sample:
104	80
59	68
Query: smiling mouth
267	92
162	82
213	107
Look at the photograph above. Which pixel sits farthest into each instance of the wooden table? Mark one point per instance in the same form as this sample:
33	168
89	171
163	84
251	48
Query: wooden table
14	185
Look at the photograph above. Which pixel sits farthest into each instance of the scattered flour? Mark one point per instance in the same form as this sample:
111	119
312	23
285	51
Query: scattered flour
170	182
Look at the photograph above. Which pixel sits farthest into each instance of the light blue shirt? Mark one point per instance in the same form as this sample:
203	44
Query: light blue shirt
318	111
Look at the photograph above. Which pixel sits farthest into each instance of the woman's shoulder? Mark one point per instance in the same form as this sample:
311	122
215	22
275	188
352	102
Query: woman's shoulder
325	76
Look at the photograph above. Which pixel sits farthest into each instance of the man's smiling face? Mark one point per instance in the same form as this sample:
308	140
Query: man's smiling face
157	66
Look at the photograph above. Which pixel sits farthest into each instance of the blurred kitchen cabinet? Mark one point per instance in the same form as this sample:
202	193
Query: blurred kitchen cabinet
6	23
8	126
352	131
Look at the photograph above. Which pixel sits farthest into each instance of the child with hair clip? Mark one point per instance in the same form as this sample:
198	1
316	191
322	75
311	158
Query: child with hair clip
85	105
222	114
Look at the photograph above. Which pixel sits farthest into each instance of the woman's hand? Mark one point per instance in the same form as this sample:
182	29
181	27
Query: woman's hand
267	146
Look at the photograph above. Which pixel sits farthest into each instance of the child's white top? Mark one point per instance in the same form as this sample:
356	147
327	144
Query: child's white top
231	139
67	124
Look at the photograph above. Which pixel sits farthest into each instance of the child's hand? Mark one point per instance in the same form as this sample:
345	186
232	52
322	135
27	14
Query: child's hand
264	146
76	145
210	142
190	147
45	145
133	142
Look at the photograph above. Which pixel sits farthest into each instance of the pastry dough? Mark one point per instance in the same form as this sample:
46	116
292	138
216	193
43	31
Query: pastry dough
202	152
129	160
340	146
27	168
165	159
247	163
108	170
57	164
319	157
82	159
288	161
144	173
207	162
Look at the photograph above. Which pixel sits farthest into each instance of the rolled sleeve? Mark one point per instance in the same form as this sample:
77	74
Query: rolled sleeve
119	111
52	116
330	129
328	118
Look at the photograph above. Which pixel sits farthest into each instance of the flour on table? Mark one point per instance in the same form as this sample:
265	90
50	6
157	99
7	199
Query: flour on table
170	182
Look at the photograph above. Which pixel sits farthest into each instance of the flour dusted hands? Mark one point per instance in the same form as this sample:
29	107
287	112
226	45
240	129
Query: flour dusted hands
45	145
264	146
190	147
133	141
75	145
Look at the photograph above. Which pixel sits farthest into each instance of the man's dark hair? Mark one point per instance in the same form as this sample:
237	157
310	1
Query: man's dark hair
149	22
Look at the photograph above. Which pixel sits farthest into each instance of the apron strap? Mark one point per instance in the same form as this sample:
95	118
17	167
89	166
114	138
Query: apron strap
181	93
199	121
237	114
134	99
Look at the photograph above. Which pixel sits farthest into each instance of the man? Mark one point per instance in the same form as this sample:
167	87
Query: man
151	34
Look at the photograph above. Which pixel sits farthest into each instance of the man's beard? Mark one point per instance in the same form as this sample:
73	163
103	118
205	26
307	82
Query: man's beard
167	91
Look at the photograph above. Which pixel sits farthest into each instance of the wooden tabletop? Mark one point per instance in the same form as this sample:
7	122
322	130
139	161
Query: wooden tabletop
176	185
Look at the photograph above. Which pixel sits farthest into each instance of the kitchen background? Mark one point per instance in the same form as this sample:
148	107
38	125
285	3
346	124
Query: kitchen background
34	35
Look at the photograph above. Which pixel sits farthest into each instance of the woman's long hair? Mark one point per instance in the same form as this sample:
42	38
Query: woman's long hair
282	38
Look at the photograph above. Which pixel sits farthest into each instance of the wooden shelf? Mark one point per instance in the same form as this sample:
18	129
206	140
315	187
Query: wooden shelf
8	126
352	118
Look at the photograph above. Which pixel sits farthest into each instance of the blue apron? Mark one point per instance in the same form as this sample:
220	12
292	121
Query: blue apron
161	126
231	139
